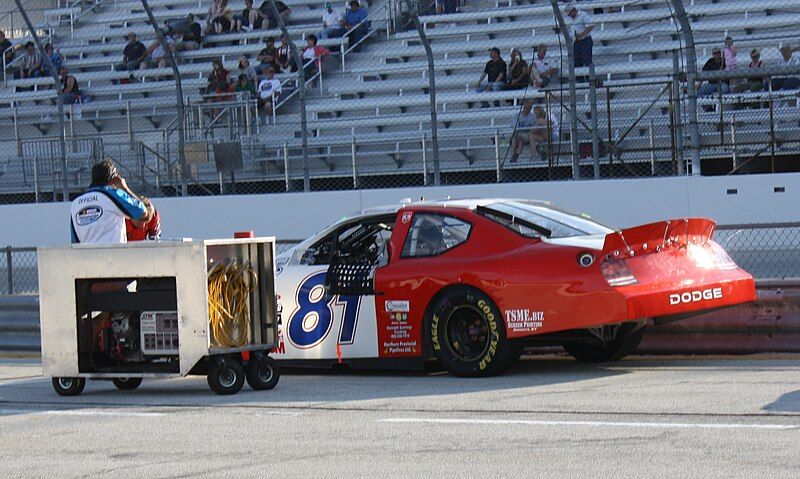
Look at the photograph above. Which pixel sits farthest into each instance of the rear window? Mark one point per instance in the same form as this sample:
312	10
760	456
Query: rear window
535	220
433	234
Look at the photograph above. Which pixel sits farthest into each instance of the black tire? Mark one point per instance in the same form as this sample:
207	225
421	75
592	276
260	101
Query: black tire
626	341
262	373
127	384
69	386
468	336
226	377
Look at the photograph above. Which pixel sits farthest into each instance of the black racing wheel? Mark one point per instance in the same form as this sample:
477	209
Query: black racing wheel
627	338
127	384
468	336
69	386
262	373
225	376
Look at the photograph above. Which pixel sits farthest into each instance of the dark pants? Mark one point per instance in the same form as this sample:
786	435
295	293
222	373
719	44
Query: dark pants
786	83
583	52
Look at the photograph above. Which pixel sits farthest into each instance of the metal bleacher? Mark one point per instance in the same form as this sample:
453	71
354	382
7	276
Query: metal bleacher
373	101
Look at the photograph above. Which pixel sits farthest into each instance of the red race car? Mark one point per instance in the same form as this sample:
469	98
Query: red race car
472	282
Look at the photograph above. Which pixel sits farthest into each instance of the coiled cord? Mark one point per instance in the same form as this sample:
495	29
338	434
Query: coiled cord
229	288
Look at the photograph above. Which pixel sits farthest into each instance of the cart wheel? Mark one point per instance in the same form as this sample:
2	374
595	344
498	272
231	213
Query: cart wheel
262	373
127	384
226	377
69	386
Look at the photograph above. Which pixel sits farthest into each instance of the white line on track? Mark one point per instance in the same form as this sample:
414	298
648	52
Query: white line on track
526	422
79	412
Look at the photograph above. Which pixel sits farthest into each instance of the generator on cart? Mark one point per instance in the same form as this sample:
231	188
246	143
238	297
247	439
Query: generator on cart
124	312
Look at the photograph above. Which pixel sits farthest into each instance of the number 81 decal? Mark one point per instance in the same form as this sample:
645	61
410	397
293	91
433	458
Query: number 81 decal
311	322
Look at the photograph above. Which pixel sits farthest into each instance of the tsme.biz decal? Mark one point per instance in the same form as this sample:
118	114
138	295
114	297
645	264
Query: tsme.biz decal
694	296
524	320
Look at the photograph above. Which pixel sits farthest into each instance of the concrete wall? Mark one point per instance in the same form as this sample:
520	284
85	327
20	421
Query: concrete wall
296	215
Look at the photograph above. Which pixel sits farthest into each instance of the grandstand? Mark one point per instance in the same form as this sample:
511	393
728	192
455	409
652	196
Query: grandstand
369	111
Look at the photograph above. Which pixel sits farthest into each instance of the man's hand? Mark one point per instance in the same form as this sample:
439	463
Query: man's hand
119	182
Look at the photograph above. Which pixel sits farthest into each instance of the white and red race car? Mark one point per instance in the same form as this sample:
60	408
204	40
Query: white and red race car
471	282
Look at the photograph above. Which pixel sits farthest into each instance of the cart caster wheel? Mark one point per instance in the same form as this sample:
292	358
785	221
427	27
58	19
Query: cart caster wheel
127	384
226	377
69	386
262	373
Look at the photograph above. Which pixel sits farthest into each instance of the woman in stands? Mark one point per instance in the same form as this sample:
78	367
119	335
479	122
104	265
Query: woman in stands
313	55
55	58
517	72
219	17
285	60
219	86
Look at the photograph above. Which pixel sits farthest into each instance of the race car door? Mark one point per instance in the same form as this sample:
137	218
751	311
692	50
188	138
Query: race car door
327	301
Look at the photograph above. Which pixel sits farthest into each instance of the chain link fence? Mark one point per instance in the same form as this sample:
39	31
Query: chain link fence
392	93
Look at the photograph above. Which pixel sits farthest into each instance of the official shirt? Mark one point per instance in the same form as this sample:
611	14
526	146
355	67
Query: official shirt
98	215
580	23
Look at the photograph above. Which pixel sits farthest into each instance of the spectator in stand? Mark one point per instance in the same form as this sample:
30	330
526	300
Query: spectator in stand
218	81
313	56
715	63
30	65
247	70
523	131
133	55
192	37
752	84
268	92
543	67
517	72
581	29
266	14
141	230
352	22
729	53
245	85
446	6
158	56
70	91
331	23
241	21
268	56
218	19
494	73
56	59
788	59
539	135
285	60
7	48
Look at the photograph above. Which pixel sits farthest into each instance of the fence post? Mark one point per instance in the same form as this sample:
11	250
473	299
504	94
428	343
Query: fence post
652	150
771	124
676	86
498	177
129	121
36	177
17	138
733	142
353	157
573	102
691	81
286	164
10	272
424	160
595	138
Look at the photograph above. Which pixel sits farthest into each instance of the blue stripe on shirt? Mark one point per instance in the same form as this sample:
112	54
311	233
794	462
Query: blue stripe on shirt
129	205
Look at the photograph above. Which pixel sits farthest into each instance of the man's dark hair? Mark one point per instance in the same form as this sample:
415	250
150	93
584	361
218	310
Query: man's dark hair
354	3
269	40
495	49
103	173
313	38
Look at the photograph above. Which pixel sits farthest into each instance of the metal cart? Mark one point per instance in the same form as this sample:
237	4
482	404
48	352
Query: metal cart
124	312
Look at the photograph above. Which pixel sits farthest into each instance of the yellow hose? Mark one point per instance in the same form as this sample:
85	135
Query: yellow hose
229	288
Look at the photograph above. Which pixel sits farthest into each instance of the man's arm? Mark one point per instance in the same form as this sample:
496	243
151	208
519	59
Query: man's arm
585	33
120	183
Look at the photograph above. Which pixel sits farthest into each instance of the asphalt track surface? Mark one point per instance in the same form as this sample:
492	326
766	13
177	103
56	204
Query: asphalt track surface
640	417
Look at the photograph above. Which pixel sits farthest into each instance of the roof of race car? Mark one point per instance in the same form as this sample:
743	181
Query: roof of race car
466	203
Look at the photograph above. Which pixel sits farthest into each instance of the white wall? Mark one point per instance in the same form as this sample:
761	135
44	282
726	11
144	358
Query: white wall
297	215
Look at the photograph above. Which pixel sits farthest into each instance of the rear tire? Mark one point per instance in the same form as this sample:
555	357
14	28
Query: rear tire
468	336
262	373
628	338
127	384
69	386
226	377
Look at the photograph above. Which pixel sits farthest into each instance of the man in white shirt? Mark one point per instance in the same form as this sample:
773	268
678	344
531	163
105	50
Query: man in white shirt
331	23
523	126
268	91
543	67
788	59
581	29
98	215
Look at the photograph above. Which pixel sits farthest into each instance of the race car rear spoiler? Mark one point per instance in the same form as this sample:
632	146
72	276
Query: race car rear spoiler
654	237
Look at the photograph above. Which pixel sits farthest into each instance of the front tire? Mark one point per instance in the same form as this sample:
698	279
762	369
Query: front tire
262	373
226	376
69	386
127	384
627	339
468	336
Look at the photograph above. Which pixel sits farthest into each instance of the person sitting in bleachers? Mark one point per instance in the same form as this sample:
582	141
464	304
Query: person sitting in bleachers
157	55
243	21
446	6
245	86
56	59
218	82
133	55
191	37
268	56
715	63
494	73
30	65
7	48
70	91
543	67
788	59
268	91
752	84
314	52
354	22
522	128
268	20
331	23
247	70
285	60
218	18
517	72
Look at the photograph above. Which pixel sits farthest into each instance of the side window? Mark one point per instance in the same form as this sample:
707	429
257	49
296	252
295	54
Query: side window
433	234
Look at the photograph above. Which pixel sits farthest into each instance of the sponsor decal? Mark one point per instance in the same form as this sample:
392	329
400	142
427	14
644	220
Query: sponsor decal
435	332
88	215
397	306
406	217
695	296
492	320
524	320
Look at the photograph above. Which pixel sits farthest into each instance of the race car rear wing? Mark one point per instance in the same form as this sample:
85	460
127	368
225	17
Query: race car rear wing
654	237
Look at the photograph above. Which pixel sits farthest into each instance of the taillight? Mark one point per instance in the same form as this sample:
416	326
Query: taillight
617	273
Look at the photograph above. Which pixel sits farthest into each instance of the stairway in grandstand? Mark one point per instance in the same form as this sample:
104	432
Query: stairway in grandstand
375	102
